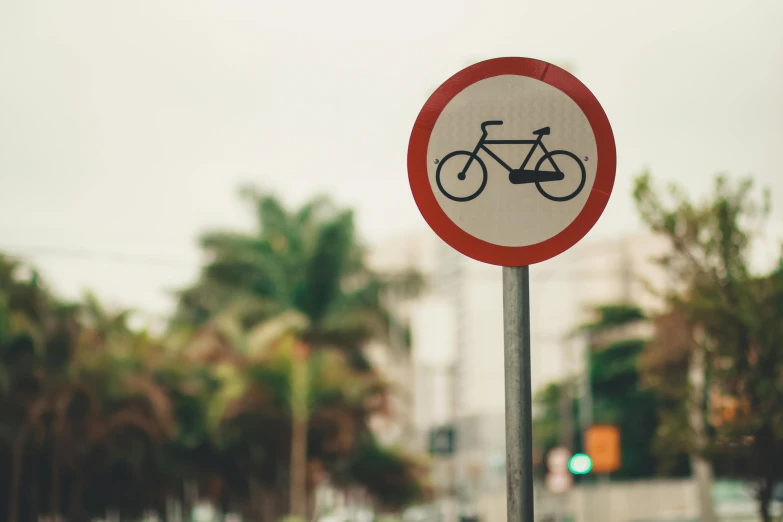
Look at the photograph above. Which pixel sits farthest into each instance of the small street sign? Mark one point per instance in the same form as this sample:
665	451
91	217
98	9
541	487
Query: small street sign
602	444
442	441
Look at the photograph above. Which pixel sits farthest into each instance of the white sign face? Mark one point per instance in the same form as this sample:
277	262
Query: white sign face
511	161
526	179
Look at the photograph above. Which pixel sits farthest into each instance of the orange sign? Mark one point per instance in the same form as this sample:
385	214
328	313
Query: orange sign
602	443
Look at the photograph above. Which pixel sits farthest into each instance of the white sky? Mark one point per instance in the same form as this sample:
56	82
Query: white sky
125	127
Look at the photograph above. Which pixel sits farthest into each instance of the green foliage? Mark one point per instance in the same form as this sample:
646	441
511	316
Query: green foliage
619	399
618	396
306	260
609	316
89	405
66	402
546	423
615	365
731	317
389	475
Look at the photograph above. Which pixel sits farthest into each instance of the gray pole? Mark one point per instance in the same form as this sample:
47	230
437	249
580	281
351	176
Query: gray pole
586	418
565	407
586	402
456	383
519	422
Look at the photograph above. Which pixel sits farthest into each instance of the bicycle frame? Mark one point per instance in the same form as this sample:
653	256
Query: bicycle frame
520	176
483	142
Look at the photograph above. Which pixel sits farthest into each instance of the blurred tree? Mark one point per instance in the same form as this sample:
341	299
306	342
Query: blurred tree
262	368
664	367
304	272
56	416
90	406
394	479
619	396
547	423
119	417
308	261
728	326
255	400
24	310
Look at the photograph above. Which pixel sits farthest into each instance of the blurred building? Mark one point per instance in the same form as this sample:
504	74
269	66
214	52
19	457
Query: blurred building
456	363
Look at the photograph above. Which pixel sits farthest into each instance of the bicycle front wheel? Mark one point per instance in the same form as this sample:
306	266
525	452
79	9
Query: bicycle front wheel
573	171
457	182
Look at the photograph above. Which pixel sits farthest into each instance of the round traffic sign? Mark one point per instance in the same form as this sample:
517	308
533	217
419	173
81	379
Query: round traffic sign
511	161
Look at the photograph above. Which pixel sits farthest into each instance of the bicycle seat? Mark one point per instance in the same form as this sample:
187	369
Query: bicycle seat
542	132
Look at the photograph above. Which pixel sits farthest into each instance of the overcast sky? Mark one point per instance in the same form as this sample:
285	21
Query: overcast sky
125	127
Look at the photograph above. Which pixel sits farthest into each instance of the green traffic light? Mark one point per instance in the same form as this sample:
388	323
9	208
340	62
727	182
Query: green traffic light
580	464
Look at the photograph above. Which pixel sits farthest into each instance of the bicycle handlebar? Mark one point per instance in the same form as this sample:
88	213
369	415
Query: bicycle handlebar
487	123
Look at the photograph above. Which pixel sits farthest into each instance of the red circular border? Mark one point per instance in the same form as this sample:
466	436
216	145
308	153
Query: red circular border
472	246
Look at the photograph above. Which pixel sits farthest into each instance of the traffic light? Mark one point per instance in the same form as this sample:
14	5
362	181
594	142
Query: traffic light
580	464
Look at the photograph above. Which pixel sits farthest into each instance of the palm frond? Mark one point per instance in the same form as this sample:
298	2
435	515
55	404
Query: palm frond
321	283
261	338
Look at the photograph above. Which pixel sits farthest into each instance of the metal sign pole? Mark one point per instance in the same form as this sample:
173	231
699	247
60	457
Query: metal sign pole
519	422
538	99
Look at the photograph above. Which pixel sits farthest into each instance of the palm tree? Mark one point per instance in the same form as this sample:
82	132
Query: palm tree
271	402
308	261
70	391
113	374
33	345
300	271
395	480
263	368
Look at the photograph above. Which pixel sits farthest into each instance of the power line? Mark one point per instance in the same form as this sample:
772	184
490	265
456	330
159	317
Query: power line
82	254
23	252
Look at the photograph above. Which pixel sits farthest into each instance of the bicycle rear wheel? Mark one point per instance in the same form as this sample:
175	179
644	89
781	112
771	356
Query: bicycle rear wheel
572	168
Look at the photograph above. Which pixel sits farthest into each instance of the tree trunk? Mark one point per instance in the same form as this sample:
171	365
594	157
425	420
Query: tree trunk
566	427
299	413
189	497
701	468
33	492
765	500
257	501
299	468
54	496
17	461
280	496
311	504
268	505
75	505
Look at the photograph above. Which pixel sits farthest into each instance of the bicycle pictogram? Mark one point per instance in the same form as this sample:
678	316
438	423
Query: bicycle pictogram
465	177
